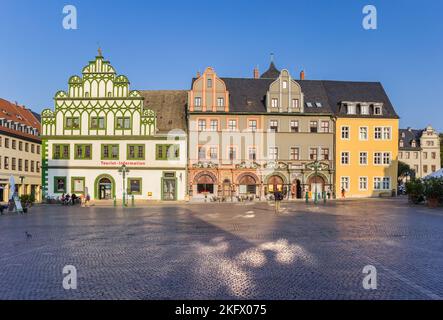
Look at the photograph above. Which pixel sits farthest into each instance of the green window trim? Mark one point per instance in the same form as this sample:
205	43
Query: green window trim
110	148
98	118
83	148
55	185
167	152
72	185
123	121
69	123
62	154
130	192
136	152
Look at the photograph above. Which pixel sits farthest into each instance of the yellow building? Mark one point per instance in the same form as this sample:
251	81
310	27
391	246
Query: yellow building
366	142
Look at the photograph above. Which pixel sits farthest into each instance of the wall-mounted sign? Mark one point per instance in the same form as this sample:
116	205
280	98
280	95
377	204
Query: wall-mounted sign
120	163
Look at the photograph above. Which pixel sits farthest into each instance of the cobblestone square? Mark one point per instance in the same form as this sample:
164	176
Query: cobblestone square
224	251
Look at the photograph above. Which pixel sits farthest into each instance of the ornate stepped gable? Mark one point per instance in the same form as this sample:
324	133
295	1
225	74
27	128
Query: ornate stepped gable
100	92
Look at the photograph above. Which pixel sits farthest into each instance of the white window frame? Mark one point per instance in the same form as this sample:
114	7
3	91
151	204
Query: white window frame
360	157
360	133
349	132
349	158
360	181
348	183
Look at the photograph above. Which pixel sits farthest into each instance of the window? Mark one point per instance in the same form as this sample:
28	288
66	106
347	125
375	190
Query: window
386	158
7	143
344	183
232	153
14	164
363	158
363	183
363	133
294	126
220	102
433	168
382	183
345	158
313	125
377	158
295	103
20	146
273	125
364	109
425	168
59	184
37	166
232	125
351	109
60	151
313	153
407	154
378	133
433	155
32	148
425	155
6	164
38	149
26	147
214	125
201	153
402	144
14	144
318	104
167	152
209	83
213	153
72	123
123	123
400	155
201	125
252	153
386	133
135	186
345	133
413	144
325	126
110	152
136	152
26	165
377	110
97	123
309	104
416	155
20	165
252	125
32	165
77	184
198	101
273	153
430	143
295	153
325	153
285	84
274	103
83	151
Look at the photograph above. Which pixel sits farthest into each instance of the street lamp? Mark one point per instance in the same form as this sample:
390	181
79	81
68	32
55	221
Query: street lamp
123	170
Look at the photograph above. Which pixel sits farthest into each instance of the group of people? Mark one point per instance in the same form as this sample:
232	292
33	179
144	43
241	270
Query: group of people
67	199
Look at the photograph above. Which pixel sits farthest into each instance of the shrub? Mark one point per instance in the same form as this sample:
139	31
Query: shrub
27	198
433	188
415	190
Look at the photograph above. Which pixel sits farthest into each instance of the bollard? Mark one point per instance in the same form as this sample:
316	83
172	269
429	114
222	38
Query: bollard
132	201
115	201
307	197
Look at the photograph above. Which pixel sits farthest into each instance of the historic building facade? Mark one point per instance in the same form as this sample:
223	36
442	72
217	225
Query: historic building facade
20	148
420	149
100	128
366	139
249	136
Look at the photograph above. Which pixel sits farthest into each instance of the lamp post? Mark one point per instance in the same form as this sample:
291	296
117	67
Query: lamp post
123	170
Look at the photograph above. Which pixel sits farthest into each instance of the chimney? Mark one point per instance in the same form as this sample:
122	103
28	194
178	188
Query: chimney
256	73
302	75
198	74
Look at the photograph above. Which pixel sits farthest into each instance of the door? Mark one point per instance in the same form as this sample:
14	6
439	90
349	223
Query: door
105	189
169	189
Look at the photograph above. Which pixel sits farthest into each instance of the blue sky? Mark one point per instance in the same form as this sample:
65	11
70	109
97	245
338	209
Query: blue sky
162	44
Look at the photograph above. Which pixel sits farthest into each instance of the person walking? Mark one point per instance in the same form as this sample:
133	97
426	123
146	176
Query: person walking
88	198
278	197
343	193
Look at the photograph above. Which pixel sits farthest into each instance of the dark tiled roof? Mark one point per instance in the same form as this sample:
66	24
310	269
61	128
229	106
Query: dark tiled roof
249	95
170	107
410	134
271	73
338	91
18	113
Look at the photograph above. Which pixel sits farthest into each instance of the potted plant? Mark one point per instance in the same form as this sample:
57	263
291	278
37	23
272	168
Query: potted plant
433	190
415	191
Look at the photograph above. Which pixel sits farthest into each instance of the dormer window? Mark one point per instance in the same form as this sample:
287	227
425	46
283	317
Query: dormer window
364	109
402	144
377	110
403	135
220	102
413	144
318	105
295	103
198	101
209	83
309	104
351	109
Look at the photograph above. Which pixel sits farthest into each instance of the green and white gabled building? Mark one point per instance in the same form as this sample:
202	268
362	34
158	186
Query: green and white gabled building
99	125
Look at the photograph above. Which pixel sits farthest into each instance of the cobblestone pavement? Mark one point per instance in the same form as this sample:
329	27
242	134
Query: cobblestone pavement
225	251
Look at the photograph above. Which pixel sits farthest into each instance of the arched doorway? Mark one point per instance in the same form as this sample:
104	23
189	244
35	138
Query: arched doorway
104	187
275	183
226	188
296	190
247	184
316	183
205	184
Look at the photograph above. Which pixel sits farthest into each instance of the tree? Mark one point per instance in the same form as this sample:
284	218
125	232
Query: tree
405	170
